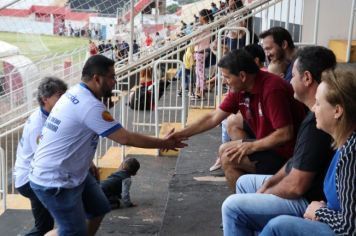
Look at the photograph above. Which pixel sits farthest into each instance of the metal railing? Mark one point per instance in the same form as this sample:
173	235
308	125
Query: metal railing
20	98
3	179
169	107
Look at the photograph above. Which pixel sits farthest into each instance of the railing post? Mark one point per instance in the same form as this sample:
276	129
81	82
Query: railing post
316	21
132	28
351	25
156	98
3	189
219	55
288	13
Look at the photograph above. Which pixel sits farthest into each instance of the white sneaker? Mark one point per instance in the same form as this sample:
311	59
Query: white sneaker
216	166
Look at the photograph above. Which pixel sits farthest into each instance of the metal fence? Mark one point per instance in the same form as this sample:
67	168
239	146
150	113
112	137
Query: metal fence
19	86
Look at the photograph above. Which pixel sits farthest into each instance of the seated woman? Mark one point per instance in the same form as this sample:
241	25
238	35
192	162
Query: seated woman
334	109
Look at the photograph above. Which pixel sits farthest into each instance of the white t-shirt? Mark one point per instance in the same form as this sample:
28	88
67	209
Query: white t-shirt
28	145
69	139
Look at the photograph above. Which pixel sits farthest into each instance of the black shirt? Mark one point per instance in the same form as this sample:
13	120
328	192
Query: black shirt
312	153
112	186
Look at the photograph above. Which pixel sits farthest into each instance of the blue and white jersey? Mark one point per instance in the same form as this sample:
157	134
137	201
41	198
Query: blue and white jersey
69	139
27	146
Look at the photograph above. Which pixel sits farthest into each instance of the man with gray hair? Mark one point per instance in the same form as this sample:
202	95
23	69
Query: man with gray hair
49	91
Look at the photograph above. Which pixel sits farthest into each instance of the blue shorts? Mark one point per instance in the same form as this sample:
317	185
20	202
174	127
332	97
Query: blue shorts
69	206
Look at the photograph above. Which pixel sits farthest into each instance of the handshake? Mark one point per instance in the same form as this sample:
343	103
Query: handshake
173	140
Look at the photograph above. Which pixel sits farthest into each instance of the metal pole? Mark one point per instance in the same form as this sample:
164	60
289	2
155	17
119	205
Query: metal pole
219	55
156	90
288	10
132	19
351	25
8	4
316	21
157	13
3	176
123	121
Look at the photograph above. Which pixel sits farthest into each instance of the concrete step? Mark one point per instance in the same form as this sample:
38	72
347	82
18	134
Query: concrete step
195	196
110	162
196	113
112	159
15	201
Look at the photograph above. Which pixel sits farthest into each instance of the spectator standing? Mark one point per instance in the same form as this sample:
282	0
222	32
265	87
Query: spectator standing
201	51
93	49
148	40
48	93
158	41
214	9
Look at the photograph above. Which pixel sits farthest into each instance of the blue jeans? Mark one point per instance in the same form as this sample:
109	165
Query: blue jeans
224	135
187	79
248	212
94	200
43	219
70	206
295	226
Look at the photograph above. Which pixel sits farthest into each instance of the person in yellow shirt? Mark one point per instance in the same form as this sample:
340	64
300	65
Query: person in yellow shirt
188	61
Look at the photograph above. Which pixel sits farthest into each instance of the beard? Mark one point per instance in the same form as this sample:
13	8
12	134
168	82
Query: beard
106	92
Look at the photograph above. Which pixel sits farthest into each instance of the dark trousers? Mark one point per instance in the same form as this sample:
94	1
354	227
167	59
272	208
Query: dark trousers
43	220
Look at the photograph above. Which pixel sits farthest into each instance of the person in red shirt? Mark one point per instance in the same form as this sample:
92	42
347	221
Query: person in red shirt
93	49
271	113
148	40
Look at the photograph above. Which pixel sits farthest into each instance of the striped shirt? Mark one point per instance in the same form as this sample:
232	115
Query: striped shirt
343	222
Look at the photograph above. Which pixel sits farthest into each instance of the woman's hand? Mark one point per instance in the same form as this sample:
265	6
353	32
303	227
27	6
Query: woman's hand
310	211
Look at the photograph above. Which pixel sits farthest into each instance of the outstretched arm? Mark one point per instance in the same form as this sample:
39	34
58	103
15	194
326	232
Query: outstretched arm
126	137
204	123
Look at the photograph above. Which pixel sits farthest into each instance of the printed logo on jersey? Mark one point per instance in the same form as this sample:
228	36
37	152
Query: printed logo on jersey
107	116
38	139
260	113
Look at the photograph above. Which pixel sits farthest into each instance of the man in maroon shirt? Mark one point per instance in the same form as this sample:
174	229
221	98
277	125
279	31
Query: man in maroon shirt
267	105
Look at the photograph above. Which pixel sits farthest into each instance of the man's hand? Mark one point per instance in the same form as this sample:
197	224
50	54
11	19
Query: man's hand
310	211
239	151
173	140
264	187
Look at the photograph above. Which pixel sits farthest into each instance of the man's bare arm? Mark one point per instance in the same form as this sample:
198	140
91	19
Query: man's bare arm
294	185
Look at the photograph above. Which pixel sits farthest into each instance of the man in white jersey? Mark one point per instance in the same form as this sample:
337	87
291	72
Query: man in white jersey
48	93
69	138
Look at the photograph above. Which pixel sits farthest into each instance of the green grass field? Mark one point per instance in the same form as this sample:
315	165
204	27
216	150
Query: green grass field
31	46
